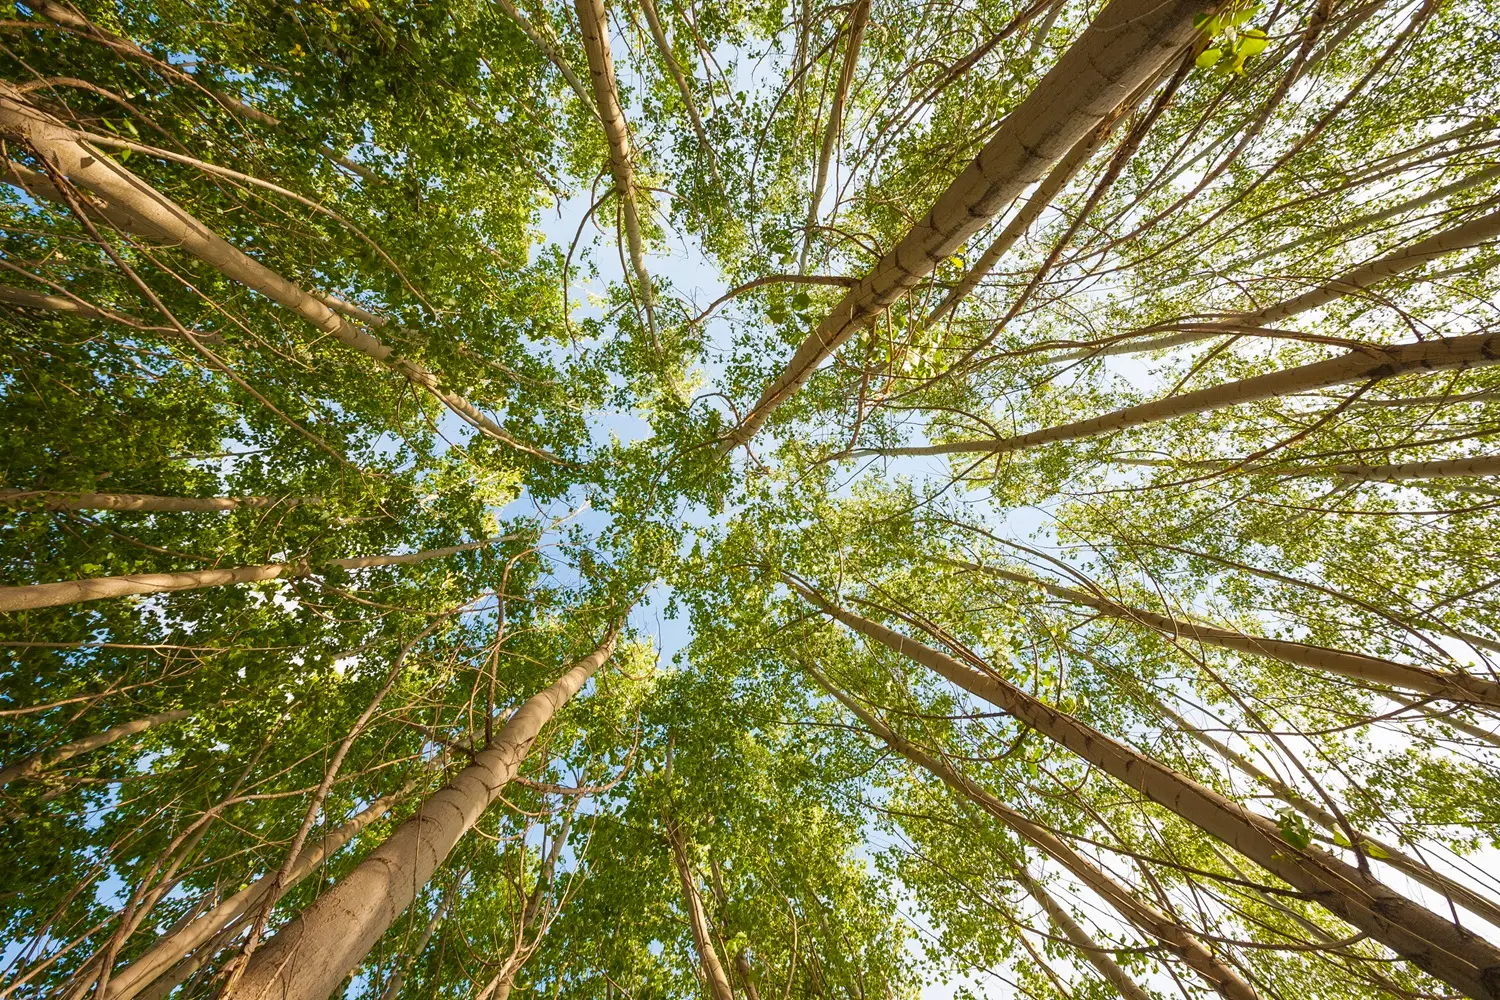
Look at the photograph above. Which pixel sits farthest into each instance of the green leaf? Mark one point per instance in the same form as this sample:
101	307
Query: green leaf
1208	57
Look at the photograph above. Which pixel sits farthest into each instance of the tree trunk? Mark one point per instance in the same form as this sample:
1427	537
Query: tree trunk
1389	853
1446	684
692	901
392	988
1126	45
859	20
33	765
541	35
311	955
74	159
62	500
1451	953
1442	354
1098	957
1137	911
49	595
594	22
180	943
664	46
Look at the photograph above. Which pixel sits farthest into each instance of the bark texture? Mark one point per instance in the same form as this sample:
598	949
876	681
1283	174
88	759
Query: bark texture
1451	953
1127	44
310	956
50	595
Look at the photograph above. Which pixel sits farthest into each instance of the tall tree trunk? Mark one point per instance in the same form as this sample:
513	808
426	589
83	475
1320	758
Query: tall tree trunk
859	20
62	500
1126	45
30	766
392	988
1445	950
541	35
1098	957
1396	262
1470	900
1366	364
72	157
664	47
1446	684
1131	906
692	901
593	20
182	942
50	595
311	955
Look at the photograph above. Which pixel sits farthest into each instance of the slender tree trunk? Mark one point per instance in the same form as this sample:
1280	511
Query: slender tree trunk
1447	684
40	186
1396	262
1098	957
50	303
1442	354
692	901
1462	895
1447	719
1036	203
74	159
859	20
1131	906
311	955
182	942
62	500
1451	953
1127	44
541	36
49	595
594	22
33	765
747	975
398	979
664	46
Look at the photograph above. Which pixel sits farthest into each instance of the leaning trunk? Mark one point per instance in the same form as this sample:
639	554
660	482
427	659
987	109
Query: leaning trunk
36	762
1451	953
311	955
692	901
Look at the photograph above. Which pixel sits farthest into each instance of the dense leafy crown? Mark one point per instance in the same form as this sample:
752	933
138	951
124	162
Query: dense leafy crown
639	498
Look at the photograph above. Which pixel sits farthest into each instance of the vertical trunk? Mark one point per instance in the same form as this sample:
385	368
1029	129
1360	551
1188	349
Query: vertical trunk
1098	957
1137	911
36	762
859	20
664	46
593	20
74	159
692	901
1451	953
1365	364
1127	44
49	595
1446	684
747	975
541	35
62	500
197	934
309	957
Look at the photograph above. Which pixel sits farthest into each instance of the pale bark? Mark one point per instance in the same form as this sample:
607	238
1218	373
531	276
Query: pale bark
51	303
692	902
392	988
1178	939
311	955
39	185
541	35
664	46
1098	957
1477	466
63	500
75	159
1443	949
1398	261
49	595
1462	895
190	939
859	20
1448	719
33	765
1036	203
1129	42
1446	684
593	21
1443	354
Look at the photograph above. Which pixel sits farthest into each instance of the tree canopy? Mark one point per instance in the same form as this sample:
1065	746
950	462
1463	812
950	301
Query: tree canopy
839	501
